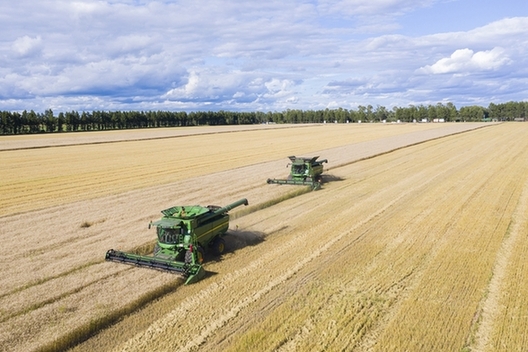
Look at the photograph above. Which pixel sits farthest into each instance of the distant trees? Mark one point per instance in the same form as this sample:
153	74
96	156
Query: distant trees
31	122
472	113
508	111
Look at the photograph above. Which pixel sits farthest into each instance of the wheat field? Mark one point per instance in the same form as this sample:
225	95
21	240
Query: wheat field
415	243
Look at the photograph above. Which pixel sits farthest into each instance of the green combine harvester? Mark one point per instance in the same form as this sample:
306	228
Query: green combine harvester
304	171
184	232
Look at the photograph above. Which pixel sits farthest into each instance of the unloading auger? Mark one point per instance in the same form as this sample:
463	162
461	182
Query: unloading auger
184	232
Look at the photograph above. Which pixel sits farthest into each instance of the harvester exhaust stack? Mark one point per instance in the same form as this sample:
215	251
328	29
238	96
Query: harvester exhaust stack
304	171
184	232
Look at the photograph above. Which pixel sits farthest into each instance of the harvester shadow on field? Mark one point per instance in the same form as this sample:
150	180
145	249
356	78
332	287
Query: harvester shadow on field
331	178
235	240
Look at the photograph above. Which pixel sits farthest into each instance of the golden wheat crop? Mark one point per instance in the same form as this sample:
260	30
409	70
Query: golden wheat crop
418	248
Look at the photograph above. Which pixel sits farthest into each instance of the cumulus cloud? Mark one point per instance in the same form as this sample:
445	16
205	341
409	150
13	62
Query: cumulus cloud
199	86
208	85
27	46
232	87
279	87
466	61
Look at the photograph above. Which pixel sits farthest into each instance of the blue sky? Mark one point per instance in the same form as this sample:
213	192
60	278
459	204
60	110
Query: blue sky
200	55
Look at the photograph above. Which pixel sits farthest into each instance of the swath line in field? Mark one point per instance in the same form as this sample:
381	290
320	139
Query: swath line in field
490	307
54	298
83	332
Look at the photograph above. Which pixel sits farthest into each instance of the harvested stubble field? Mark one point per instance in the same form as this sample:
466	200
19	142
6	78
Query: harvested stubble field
417	242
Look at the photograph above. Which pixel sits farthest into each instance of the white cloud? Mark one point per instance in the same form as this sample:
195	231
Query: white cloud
507	27
277	86
466	61
27	46
233	88
372	7
210	84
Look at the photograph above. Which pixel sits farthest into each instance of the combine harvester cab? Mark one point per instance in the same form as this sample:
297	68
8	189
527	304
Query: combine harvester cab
303	171
184	232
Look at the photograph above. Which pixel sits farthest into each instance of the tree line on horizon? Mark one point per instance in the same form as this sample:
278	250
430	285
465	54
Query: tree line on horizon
28	122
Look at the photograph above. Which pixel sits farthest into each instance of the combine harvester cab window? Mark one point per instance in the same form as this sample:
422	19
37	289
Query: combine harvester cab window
170	236
299	169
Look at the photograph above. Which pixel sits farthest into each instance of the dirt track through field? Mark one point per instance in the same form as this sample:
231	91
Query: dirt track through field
342	266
